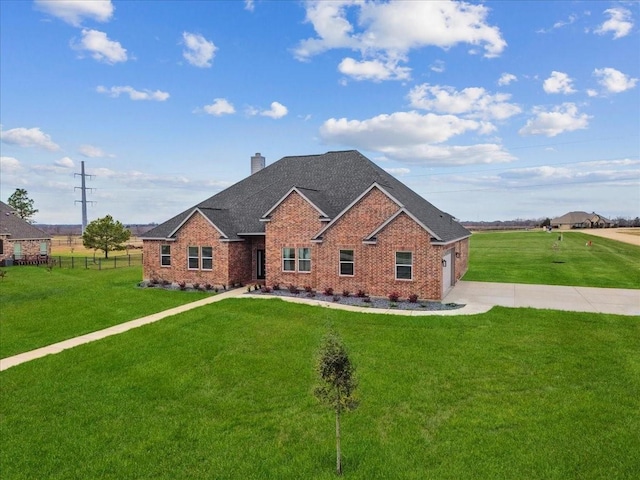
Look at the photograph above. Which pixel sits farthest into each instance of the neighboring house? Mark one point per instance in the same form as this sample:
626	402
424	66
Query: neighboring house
572	220
332	220
21	242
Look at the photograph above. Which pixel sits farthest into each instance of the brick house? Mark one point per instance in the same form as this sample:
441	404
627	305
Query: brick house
21	242
573	220
332	220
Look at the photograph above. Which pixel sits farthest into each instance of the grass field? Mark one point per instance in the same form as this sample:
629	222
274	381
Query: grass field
40	307
225	392
539	258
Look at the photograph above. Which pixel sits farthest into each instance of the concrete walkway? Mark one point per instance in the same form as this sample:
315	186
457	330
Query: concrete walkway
578	299
478	297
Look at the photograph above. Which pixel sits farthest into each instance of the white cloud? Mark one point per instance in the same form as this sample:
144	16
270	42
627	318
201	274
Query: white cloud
506	79
376	70
591	92
384	32
74	11
475	102
220	106
249	5
10	165
199	51
90	151
558	82
115	92
613	80
65	162
619	23
100	47
438	66
563	118
563	23
277	110
29	137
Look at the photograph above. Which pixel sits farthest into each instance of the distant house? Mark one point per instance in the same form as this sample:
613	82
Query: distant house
21	242
572	220
333	220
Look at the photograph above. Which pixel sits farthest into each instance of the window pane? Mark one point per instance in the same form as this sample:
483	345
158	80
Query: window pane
304	253
403	258
304	265
288	253
207	252
165	249
193	251
346	255
43	248
289	265
346	269
207	264
165	261
193	263
403	272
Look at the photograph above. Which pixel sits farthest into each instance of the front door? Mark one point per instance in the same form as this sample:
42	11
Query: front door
260	263
447	273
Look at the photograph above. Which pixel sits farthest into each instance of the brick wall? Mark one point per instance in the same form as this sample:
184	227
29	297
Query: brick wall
196	232
29	247
295	222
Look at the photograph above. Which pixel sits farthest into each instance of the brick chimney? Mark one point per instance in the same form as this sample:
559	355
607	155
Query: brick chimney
257	163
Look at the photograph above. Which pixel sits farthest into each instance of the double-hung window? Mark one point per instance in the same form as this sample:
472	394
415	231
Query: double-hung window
165	255
347	264
289	259
404	265
304	259
193	258
206	258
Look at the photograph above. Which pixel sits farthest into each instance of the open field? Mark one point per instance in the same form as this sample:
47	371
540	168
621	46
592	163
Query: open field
225	391
72	245
40	307
540	258
626	235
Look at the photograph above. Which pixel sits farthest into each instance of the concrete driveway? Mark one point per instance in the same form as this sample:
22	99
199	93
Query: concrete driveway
580	299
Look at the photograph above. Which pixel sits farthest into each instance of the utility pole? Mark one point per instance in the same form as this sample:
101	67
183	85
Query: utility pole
84	189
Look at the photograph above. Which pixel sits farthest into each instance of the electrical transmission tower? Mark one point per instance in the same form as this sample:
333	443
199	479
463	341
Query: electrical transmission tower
84	189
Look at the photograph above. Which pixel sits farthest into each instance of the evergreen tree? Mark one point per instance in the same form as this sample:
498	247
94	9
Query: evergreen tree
22	204
105	234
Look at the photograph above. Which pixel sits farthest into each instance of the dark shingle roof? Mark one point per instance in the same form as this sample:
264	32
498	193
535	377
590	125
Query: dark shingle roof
16	228
332	181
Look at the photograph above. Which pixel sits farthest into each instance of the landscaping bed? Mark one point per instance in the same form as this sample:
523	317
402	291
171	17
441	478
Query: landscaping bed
357	300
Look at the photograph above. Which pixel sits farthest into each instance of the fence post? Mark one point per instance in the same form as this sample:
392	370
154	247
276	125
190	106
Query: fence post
129	258
86	262
115	262
72	262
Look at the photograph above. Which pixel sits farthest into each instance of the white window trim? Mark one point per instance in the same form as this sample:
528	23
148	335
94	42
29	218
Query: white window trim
289	259
189	257
162	255
352	262
299	259
202	259
410	265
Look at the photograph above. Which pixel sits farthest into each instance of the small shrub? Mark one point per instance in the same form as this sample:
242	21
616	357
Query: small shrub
308	289
413	298
293	289
224	286
249	289
196	286
328	291
208	286
346	293
166	282
265	289
336	298
311	294
394	297
216	290
182	284
154	281
276	286
361	294
366	299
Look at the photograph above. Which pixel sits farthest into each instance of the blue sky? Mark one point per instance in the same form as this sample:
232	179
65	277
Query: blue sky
490	110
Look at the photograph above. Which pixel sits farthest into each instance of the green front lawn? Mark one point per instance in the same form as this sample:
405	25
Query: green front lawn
540	258
225	391
39	307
